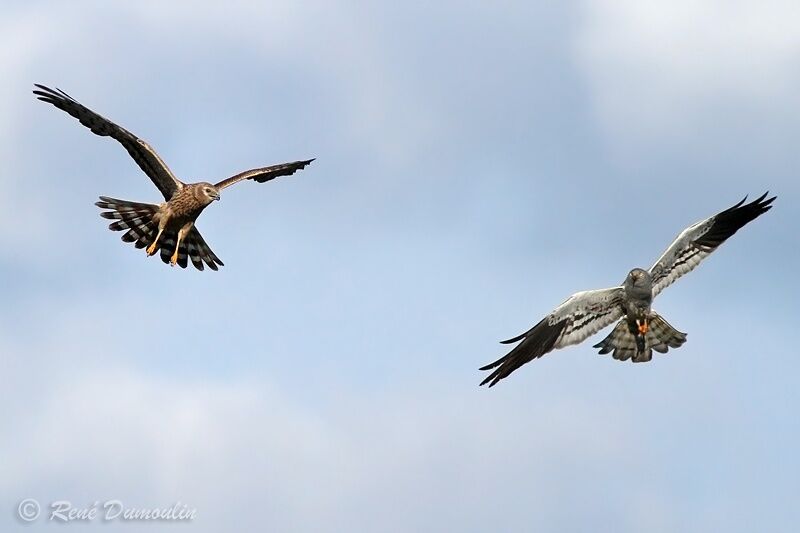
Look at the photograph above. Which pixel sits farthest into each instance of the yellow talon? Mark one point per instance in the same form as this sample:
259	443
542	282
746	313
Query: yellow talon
174	258
643	326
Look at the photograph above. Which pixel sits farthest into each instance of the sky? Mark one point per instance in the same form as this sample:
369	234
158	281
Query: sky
476	164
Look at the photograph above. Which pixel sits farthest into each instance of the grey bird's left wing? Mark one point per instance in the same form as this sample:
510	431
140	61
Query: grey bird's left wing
583	314
699	240
261	175
141	152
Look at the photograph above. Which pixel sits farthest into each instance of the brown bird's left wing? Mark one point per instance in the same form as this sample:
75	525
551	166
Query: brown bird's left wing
261	175
141	152
582	315
699	240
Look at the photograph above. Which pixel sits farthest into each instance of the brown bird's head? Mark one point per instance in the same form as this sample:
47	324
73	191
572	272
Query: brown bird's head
206	193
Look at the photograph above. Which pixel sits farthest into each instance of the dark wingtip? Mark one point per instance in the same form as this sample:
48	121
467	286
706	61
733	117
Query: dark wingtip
45	93
51	96
43	90
766	204
491	380
761	201
516	339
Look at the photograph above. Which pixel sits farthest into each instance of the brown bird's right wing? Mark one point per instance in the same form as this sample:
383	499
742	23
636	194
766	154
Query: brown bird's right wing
141	152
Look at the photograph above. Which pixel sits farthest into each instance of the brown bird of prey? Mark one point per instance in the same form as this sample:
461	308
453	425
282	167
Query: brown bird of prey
640	330
168	226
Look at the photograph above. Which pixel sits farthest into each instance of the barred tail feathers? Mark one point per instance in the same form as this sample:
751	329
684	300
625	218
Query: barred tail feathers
199	251
625	344
136	218
192	246
142	227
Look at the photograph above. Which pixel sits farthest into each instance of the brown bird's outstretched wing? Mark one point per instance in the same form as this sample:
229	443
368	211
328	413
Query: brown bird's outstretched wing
582	315
141	152
265	174
699	240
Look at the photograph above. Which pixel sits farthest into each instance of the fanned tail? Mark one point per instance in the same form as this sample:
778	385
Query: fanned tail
626	344
137	218
141	227
198	251
192	246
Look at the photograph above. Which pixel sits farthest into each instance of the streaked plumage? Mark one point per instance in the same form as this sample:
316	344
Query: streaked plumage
640	330
169	226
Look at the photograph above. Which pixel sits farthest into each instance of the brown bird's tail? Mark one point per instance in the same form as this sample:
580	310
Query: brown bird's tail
137	219
142	227
627	344
198	251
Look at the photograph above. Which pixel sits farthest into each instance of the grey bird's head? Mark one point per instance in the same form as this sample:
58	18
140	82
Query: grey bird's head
206	193
639	282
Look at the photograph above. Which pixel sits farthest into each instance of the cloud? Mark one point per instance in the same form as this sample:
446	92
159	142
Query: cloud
326	378
661	70
247	454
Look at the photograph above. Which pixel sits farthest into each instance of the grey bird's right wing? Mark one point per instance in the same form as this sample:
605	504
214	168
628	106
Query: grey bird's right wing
141	152
583	314
699	240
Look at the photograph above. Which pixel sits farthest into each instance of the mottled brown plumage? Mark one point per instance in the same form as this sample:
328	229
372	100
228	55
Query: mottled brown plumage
169	226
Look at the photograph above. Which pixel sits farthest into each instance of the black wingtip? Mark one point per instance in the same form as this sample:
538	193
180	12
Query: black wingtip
490	365
51	96
42	89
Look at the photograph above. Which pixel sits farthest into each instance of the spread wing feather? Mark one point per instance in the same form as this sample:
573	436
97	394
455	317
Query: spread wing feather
141	152
261	175
699	240
583	314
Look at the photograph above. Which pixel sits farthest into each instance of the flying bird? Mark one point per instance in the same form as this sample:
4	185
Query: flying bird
170	225
640	330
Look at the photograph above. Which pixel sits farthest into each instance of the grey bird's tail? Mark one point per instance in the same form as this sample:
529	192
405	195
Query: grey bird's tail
627	344
141	227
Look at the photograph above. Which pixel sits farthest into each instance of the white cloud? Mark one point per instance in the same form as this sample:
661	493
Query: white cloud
247	455
662	69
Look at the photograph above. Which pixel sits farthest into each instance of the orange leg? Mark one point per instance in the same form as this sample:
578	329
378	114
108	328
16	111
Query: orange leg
174	259
643	325
152	248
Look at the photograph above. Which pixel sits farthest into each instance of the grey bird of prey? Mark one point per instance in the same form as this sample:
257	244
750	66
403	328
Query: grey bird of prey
170	225
640	330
